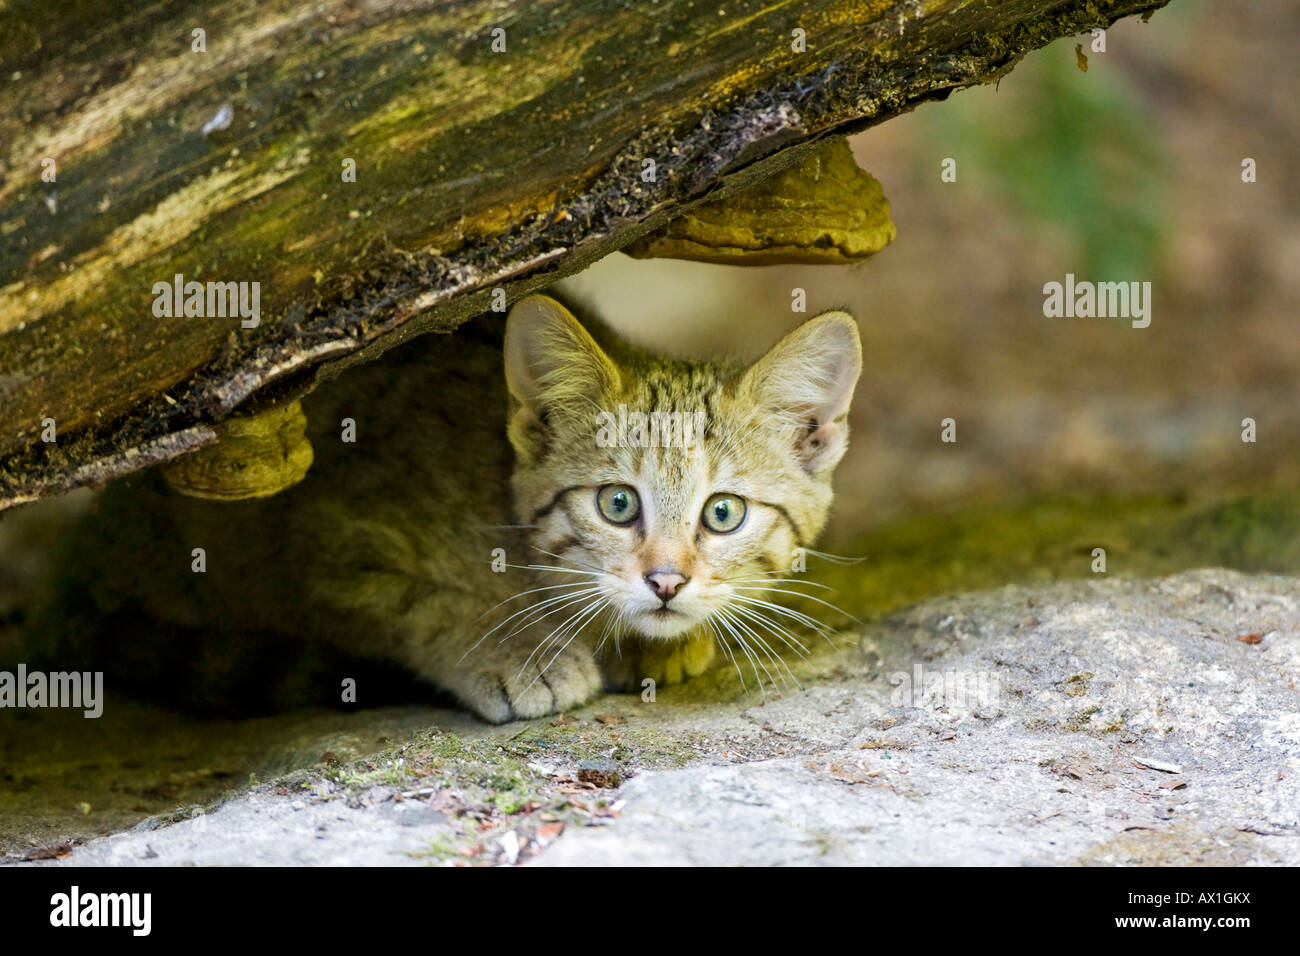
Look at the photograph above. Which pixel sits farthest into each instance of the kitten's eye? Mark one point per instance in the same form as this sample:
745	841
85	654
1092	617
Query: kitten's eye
618	504
724	513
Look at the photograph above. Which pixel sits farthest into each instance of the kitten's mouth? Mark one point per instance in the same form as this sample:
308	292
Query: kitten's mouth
664	622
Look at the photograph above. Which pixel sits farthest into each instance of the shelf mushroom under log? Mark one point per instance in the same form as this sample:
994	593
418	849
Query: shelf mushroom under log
254	456
377	172
824	210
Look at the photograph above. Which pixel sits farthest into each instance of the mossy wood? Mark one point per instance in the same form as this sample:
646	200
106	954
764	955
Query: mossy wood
130	157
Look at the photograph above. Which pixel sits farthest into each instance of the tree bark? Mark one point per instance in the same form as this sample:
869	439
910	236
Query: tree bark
475	170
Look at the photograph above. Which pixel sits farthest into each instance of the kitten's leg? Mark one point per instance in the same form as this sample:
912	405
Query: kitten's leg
513	680
664	662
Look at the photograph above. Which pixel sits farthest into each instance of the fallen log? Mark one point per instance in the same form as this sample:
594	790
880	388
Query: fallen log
379	170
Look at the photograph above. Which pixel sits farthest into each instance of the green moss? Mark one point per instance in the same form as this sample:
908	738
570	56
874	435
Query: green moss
509	802
917	558
440	851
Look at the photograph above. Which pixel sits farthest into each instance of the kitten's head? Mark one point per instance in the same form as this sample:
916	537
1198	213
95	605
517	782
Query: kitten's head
676	487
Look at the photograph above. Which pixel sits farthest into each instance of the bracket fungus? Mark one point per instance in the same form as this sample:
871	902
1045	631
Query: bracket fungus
255	456
826	209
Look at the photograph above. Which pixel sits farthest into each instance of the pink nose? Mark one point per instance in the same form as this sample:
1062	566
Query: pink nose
666	583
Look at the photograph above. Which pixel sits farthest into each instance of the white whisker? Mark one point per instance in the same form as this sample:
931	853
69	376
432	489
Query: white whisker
806	597
575	631
767	649
811	584
515	597
799	616
727	650
548	567
785	635
568	600
533	609
560	557
579	618
744	648
834	558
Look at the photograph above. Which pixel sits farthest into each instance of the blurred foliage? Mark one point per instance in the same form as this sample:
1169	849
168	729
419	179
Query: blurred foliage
1072	150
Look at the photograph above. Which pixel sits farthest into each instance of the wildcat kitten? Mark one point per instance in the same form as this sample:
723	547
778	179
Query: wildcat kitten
604	546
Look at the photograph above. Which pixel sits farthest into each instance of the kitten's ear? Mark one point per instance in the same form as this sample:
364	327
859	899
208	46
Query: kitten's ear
552	364
806	381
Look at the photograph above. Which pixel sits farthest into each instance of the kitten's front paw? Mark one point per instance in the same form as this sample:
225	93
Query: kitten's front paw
664	662
509	687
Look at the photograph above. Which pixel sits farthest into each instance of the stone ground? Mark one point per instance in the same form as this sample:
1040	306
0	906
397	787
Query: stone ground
1103	721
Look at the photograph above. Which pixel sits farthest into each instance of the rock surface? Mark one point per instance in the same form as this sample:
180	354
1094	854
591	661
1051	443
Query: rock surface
1108	721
